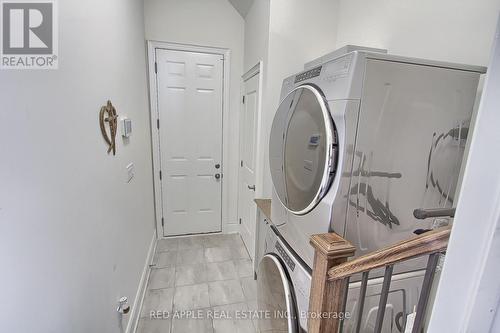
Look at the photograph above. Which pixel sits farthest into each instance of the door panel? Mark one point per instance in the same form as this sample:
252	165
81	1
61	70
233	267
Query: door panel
189	88
248	129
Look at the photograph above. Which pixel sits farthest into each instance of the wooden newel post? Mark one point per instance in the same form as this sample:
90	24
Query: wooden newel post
327	298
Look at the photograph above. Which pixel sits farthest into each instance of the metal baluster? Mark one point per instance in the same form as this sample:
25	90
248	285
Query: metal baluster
383	298
424	293
361	301
346	292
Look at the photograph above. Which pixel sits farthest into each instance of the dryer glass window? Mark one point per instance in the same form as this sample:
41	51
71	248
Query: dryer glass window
302	149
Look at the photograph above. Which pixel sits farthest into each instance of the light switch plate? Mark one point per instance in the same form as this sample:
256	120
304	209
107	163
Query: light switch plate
130	172
126	125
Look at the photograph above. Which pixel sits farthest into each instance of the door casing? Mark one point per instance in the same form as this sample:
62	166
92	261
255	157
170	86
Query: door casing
154	116
258	153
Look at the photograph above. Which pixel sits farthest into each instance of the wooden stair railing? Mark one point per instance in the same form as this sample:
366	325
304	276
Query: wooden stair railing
331	272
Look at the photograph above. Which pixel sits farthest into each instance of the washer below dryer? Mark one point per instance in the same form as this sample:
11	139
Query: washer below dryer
283	290
283	286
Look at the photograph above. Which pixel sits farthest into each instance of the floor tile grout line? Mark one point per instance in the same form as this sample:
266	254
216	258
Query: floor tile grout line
234	246
204	282
246	299
204	262
172	307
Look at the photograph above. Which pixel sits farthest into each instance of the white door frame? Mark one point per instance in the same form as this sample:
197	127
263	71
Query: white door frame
259	157
154	116
257	69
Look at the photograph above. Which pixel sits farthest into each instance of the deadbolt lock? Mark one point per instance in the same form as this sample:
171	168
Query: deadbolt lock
217	166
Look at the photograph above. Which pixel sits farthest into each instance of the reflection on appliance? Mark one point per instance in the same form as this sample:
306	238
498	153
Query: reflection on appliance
453	141
380	211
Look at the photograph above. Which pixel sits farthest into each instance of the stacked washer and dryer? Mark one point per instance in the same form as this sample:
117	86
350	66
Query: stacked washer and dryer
362	141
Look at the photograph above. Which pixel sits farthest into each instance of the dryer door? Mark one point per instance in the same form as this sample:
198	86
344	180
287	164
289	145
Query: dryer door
276	302
302	149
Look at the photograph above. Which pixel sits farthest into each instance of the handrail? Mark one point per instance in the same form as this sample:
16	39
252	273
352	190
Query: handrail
425	244
331	273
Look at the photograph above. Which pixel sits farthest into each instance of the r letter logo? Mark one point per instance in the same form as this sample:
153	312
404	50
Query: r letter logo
29	35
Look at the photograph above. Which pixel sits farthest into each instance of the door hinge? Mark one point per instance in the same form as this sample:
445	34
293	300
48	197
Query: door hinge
156	67
158	123
162	221
160	174
240	220
241	163
243	99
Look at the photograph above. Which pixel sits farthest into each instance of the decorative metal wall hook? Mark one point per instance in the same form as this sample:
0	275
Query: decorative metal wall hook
108	115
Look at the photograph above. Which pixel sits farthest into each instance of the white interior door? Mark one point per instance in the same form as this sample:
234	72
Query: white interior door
189	86
246	192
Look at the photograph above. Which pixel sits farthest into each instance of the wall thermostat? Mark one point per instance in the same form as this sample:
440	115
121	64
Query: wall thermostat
126	127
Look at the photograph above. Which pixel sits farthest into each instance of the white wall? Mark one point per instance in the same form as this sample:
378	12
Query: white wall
469	288
299	31
74	235
212	23
256	33
448	30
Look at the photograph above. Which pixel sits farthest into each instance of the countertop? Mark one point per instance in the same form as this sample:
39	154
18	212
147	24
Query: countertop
265	206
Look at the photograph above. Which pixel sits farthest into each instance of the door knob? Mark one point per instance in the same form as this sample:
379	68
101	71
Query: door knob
217	176
251	187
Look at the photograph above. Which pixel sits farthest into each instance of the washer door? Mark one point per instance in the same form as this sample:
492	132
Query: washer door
275	299
302	149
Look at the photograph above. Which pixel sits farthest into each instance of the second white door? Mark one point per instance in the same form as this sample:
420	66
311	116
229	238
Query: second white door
189	86
246	192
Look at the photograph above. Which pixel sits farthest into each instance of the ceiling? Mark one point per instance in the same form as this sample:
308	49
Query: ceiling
242	6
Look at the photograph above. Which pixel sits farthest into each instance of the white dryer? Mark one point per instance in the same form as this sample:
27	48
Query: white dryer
370	146
361	141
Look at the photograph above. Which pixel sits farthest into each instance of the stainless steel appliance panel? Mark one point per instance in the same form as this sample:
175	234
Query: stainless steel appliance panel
411	138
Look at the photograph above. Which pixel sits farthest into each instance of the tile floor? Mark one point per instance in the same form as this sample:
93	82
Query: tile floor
209	277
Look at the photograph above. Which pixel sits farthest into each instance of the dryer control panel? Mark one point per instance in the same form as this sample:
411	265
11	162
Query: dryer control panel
308	75
339	78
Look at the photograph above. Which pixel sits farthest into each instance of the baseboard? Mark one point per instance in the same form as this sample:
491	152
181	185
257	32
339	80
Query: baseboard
231	228
141	290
